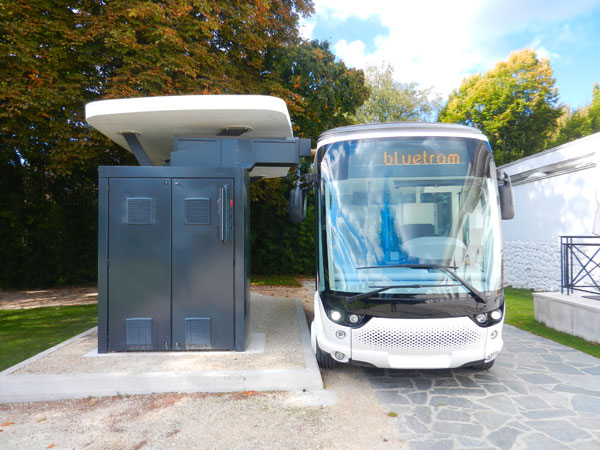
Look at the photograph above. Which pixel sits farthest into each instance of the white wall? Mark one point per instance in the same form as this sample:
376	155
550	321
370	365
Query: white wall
556	193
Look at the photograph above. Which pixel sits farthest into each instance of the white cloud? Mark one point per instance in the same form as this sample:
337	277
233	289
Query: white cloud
306	29
541	51
439	42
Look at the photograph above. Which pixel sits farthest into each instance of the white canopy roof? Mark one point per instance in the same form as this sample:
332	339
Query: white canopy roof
157	120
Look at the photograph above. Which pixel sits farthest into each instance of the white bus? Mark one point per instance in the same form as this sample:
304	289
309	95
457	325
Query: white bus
409	271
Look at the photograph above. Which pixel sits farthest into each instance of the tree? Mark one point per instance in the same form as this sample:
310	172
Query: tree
391	101
321	93
515	105
56	56
580	122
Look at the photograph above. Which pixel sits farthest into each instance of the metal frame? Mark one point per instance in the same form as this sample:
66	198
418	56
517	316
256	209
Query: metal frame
577	266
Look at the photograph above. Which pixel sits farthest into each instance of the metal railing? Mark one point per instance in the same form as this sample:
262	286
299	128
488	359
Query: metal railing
580	264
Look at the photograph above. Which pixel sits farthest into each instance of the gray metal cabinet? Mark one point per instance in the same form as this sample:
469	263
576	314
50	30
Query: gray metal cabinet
167	251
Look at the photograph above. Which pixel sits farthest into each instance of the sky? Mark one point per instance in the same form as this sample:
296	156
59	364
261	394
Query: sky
438	43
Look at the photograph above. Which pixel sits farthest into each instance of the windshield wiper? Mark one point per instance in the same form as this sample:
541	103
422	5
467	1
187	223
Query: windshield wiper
447	269
397	286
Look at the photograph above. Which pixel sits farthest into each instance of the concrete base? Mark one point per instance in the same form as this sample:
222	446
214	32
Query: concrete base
572	314
281	359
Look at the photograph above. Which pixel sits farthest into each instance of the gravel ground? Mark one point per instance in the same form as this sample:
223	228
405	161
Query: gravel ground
245	420
242	420
48	297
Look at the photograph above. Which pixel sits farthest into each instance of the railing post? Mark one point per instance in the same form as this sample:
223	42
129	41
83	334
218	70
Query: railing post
562	265
579	252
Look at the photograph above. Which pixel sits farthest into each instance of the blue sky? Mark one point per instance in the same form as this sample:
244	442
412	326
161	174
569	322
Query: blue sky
439	42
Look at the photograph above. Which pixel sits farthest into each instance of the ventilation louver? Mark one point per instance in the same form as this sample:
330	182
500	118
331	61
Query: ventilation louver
140	211
197	211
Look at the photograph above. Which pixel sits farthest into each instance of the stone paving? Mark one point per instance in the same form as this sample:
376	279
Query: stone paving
539	395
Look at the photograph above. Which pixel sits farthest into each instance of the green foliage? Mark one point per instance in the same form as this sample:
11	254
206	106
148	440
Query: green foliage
26	332
278	246
514	104
520	313
322	93
391	101
579	123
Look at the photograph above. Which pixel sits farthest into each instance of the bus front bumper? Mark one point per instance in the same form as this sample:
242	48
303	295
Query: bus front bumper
407	343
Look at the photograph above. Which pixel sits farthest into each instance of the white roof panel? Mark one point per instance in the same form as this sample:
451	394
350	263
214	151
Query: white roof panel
157	120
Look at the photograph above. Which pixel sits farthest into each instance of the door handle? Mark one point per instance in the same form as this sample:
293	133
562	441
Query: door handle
225	201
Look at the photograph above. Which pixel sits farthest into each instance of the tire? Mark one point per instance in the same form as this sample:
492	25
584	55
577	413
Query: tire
484	365
324	360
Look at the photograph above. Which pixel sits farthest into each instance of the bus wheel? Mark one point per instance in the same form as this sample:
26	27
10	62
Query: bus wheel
484	365
324	360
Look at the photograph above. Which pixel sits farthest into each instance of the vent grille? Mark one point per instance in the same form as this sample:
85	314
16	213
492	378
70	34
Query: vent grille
140	211
138	334
197	333
419	335
197	211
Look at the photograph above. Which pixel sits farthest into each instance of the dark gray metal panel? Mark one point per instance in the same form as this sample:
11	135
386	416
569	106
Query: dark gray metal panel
238	152
276	152
139	262
197	152
202	282
242	260
165	172
102	265
304	147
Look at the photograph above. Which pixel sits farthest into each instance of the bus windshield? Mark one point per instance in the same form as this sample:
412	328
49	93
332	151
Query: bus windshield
394	209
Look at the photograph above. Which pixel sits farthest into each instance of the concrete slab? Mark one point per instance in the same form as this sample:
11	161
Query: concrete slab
574	314
279	357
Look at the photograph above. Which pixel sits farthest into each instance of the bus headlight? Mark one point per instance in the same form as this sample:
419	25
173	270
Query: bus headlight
335	315
481	318
496	315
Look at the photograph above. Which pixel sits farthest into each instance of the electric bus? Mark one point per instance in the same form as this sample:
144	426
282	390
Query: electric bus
409	246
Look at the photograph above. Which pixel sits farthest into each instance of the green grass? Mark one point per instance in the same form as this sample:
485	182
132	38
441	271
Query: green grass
26	332
519	313
274	280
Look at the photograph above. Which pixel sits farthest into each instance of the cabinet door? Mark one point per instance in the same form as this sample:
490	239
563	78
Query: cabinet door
202	262
139	270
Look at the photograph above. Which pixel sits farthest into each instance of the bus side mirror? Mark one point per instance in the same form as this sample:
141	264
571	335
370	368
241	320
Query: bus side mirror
297	211
505	191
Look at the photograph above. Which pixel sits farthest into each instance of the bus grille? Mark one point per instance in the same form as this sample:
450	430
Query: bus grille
405	335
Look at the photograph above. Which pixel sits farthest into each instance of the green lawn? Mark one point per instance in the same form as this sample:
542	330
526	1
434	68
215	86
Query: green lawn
26	332
519	313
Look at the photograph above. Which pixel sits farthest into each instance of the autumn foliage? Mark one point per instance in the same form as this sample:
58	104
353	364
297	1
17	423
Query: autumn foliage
57	56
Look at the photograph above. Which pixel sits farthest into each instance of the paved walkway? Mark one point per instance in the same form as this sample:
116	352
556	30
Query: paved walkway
539	395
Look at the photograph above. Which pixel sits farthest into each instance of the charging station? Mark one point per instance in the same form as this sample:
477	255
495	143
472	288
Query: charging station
173	246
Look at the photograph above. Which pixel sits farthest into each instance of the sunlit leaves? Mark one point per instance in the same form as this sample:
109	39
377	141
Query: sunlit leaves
580	122
515	105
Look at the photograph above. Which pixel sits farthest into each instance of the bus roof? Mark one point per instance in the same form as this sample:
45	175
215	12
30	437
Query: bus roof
399	129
